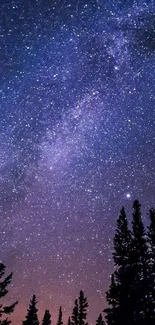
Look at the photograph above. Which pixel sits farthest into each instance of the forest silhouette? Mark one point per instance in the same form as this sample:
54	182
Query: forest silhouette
131	294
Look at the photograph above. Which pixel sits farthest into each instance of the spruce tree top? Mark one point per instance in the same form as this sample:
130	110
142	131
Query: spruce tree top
139	246
75	313
60	322
47	318
138	227
100	320
32	317
83	304
69	321
151	228
122	240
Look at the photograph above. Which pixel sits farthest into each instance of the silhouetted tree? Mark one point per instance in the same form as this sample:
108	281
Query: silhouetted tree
139	268
47	318
32	317
69	321
60	322
83	304
112	297
151	263
130	296
122	241
75	314
5	310
100	320
151	235
118	293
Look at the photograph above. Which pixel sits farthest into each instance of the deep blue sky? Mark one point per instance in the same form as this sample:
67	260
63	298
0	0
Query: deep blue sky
77	141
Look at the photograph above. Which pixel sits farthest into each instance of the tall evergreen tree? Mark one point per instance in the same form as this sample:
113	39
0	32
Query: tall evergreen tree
100	320
151	237
117	295
60	322
5	310
112	297
32	317
132	290
122	241
83	305
47	318
139	267
139	244
69	321
151	263
75	314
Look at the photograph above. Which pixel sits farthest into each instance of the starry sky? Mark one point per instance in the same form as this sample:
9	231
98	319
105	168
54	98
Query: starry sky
77	141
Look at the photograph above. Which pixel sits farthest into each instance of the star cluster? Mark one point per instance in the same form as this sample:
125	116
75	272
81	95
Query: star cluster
77	138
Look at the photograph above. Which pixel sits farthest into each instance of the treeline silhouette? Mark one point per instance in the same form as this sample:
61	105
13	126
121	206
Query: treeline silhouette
131	294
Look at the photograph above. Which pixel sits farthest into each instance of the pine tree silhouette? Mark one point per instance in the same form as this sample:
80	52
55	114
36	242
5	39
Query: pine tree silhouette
112	297
83	304
131	294
118	293
75	314
122	241
5	310
139	267
151	234
151	263
69	321
32	317
100	320
47	318
60	322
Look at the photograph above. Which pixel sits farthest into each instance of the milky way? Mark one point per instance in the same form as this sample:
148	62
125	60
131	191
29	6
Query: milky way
77	139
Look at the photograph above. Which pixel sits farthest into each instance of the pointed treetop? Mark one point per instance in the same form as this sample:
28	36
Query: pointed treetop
122	240
69	321
32	317
60	322
75	314
137	223
47	318
111	294
83	304
100	320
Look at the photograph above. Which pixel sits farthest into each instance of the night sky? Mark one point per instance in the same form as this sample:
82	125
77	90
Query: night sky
77	141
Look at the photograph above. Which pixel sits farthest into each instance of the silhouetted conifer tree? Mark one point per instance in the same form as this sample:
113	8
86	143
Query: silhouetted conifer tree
47	318
151	236
118	293
83	304
112	297
69	321
5	310
130	296
139	268
75	314
32	317
151	262
60	322
122	241
139	244
100	320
